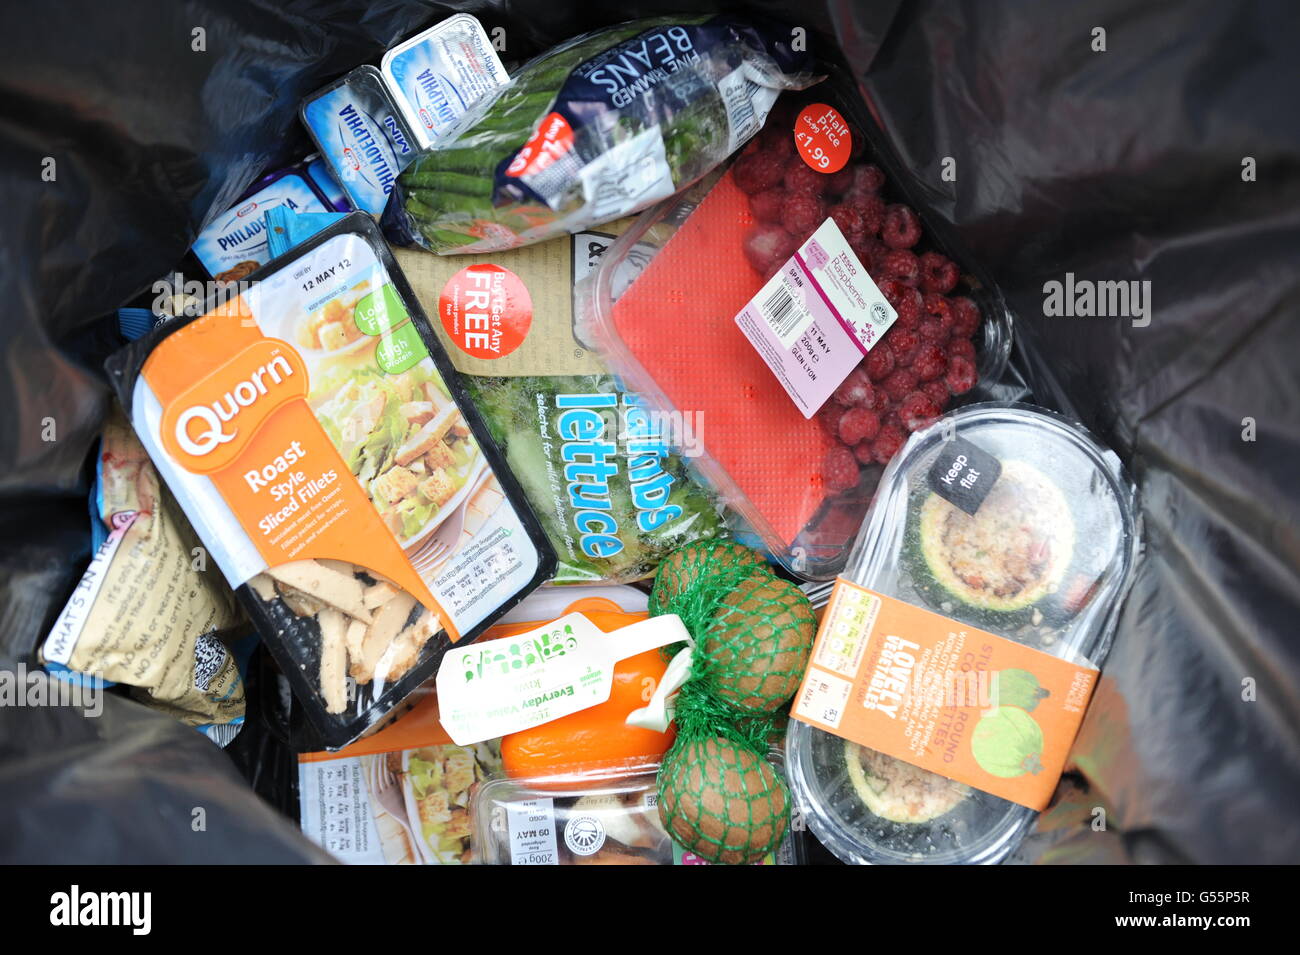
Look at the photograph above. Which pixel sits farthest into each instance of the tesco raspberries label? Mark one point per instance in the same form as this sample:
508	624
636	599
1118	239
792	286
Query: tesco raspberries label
815	319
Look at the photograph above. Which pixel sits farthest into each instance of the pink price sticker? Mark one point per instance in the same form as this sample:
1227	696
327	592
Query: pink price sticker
816	318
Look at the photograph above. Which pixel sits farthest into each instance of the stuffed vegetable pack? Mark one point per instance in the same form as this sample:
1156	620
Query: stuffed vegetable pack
596	129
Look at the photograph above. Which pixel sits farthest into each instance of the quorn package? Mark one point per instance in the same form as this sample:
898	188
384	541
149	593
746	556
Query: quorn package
963	641
314	433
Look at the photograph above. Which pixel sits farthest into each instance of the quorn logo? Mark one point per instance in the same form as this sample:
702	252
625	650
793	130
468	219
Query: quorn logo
207	426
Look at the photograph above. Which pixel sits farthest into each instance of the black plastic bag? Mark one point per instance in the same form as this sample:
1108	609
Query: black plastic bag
1117	164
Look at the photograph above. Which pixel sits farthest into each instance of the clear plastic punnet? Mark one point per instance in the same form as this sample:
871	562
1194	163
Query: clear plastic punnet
597	820
1044	561
663	310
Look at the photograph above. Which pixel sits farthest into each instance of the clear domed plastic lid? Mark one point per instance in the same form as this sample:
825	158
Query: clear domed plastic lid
1044	560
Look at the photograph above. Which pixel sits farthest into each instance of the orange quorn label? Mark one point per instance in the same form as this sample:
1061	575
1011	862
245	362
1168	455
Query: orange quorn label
235	409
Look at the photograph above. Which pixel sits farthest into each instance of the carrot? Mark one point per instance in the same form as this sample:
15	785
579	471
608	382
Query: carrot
595	741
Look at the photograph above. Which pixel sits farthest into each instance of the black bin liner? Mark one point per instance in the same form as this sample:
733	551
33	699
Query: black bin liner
1122	164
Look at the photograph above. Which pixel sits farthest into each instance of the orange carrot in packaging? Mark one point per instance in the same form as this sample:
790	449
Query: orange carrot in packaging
597	740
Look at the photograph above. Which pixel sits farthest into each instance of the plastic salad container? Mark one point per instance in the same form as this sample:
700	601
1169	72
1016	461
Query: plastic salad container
670	333
611	820
1064	498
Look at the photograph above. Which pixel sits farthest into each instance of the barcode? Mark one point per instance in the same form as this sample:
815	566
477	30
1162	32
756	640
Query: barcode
209	658
780	312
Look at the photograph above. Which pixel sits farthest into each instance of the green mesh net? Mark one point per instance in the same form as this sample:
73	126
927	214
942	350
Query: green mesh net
753	632
723	801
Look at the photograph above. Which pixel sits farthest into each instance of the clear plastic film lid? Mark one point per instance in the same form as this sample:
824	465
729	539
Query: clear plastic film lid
1005	518
596	819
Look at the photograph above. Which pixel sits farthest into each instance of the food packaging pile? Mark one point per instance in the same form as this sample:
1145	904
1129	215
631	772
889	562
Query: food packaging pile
604	452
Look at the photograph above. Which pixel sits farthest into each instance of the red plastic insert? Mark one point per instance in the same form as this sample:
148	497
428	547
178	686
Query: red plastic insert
678	319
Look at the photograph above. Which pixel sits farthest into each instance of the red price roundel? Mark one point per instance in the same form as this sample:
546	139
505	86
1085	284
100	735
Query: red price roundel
554	138
823	137
486	310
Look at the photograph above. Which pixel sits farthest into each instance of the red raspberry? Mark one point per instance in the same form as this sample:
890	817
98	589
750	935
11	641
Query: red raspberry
882	401
965	317
869	251
908	308
838	183
917	411
903	342
893	290
801	177
857	143
872	209
961	348
802	213
777	136
940	310
840	469
901	265
849	220
868	178
929	363
938	273
887	443
767	247
936	391
861	248
932	331
901	228
961	375
858	424
828	416
855	389
766	205
880	361
863	453
900	383
758	172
